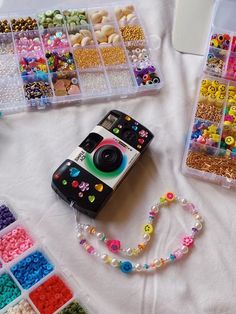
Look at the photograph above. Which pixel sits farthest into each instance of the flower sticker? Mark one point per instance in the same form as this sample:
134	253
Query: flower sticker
84	186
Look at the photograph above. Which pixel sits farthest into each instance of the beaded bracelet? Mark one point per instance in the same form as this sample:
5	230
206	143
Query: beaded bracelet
115	245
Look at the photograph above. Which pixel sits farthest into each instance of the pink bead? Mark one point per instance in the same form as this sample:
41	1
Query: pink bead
187	241
14	243
113	245
178	253
190	207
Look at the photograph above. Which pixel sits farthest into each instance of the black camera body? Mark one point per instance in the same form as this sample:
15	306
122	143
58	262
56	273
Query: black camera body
93	171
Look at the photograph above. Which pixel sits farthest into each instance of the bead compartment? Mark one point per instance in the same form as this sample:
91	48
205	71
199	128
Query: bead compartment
68	26
25	291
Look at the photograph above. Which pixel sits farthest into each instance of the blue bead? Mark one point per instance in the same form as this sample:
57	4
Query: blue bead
126	267
31	269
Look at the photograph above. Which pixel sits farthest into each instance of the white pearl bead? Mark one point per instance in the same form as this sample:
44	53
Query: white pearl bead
183	201
198	225
198	217
80	236
104	258
146	237
87	228
129	251
184	249
157	263
100	235
115	262
138	267
155	209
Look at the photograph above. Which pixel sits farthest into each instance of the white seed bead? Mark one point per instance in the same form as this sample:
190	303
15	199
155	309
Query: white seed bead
129	251
80	236
115	262
184	249
146	237
100	235
198	225
104	258
138	267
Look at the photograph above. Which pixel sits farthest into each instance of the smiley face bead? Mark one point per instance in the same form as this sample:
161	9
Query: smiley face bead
148	228
127	266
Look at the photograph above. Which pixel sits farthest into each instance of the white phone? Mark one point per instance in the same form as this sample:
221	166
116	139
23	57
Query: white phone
193	19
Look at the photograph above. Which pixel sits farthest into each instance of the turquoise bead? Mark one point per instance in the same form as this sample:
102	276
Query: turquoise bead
172	257
8	290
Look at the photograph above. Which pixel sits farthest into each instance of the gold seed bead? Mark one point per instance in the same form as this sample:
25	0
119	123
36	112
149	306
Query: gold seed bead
86	58
131	33
113	55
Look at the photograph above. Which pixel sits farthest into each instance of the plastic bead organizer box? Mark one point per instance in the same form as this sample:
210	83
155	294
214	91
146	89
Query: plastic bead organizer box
211	148
30	279
67	55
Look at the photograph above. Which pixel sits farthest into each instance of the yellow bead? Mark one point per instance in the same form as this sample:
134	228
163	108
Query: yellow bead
206	83
232	88
212	129
211	89
232	109
215	137
229	140
222	88
214	43
215	83
227	123
127	118
148	228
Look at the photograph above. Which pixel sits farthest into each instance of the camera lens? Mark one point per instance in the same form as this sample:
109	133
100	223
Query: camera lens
108	158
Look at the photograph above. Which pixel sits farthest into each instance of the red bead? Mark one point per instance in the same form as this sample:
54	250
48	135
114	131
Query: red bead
53	293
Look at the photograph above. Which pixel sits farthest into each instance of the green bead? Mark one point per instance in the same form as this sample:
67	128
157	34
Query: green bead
8	290
73	308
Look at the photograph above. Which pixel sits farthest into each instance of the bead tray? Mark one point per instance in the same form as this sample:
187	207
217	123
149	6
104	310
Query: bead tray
211	146
27	273
43	76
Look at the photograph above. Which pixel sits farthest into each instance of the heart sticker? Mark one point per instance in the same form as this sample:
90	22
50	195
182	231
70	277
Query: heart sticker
99	187
91	198
74	172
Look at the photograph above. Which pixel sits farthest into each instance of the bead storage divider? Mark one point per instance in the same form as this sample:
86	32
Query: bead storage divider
215	104
108	85
20	265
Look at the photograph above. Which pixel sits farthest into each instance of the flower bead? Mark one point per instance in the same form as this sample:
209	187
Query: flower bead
187	241
113	245
170	197
126	267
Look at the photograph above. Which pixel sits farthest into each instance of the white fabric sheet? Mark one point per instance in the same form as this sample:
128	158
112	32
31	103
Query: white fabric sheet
34	144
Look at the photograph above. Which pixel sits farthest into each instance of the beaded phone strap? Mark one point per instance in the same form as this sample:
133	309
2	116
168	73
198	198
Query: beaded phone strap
115	245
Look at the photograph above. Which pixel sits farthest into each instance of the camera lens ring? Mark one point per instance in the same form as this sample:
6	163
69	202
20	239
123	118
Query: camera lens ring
108	158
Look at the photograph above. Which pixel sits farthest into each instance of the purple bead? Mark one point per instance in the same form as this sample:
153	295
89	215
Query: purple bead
151	68
194	230
139	80
6	217
82	241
